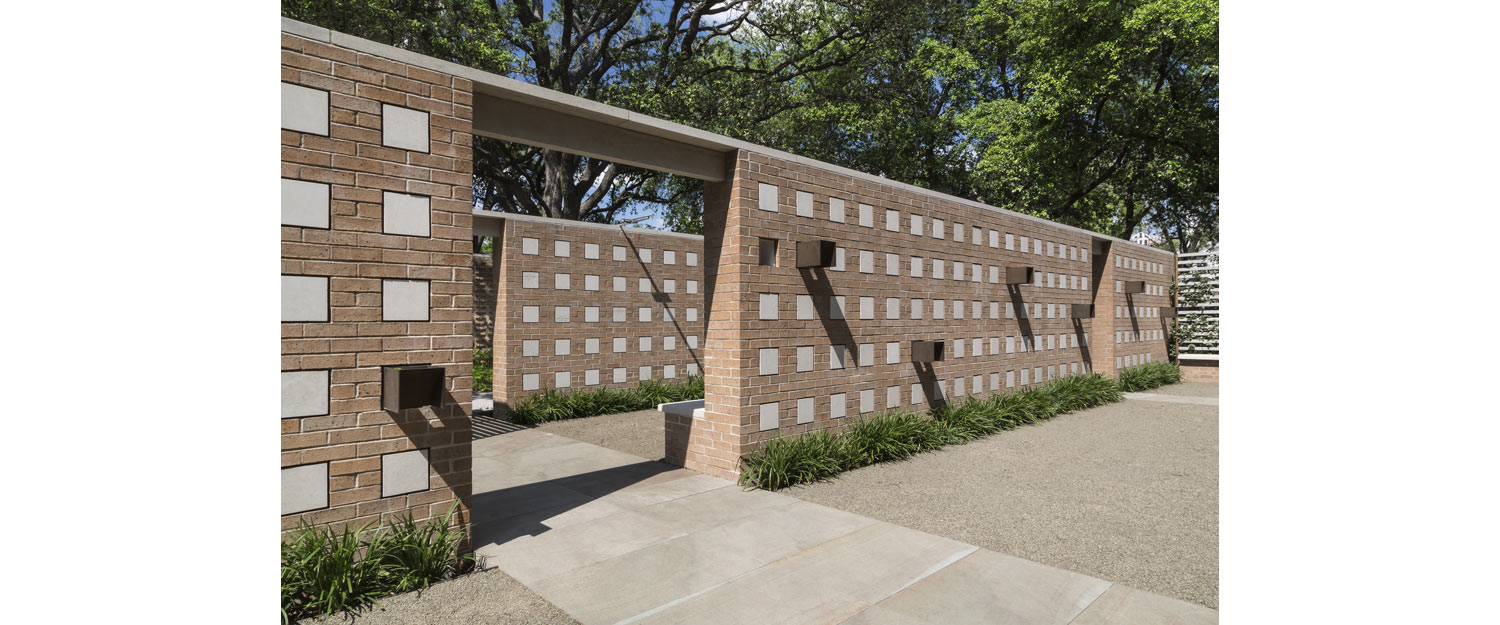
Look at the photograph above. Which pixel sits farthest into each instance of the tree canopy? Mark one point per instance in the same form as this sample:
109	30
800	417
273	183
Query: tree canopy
1099	114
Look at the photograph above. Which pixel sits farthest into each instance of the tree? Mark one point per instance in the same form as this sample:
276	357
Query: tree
1102	115
1114	120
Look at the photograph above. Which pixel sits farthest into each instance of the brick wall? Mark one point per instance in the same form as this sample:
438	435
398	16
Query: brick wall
485	276
376	271
1199	370
585	306
794	350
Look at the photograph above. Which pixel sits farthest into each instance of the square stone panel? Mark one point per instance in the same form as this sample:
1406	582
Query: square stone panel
403	128
404	472
769	358
304	109
304	203
768	197
304	298
404	300
768	306
304	393
769	416
805	410
304	488
804	204
406	214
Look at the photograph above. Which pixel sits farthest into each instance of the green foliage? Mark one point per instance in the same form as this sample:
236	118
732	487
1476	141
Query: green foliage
484	369
794	460
555	405
325	570
892	436
1079	392
889	436
1196	294
1149	376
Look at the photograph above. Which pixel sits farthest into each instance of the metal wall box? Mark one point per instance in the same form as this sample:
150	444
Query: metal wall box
1135	286
411	386
1019	275
815	253
926	351
1081	311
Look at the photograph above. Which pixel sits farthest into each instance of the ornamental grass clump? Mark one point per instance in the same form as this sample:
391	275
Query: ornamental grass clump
796	460
325	570
1080	392
899	435
1148	376
556	405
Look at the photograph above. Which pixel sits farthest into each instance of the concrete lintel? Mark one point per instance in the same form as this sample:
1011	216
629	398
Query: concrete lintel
512	120
487	224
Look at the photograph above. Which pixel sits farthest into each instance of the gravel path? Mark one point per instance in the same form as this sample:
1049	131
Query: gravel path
1126	492
485	598
642	433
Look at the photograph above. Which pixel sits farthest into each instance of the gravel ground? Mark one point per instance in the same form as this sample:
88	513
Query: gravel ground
641	433
1126	492
486	598
1188	389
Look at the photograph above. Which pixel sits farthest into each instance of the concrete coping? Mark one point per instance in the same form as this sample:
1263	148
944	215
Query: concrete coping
480	213
509	88
1213	357
682	408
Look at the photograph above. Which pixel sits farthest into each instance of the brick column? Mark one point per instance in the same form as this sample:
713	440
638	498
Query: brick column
713	443
1101	343
376	272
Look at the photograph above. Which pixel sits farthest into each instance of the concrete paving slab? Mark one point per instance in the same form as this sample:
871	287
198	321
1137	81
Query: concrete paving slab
636	582
532	558
824	584
1122	605
989	588
611	537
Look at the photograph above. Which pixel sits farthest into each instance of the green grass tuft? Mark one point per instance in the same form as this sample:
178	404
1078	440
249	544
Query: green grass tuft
1149	376
555	405
796	460
325	570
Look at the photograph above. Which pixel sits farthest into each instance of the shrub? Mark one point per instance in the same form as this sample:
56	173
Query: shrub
897	435
484	363
1079	392
1149	376
324	571
786	461
555	405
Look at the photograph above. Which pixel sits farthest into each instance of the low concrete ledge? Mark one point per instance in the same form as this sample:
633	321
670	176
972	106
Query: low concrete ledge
682	409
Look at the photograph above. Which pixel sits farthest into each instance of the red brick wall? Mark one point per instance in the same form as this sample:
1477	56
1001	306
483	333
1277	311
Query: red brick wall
670	265
737	334
354	343
1200	370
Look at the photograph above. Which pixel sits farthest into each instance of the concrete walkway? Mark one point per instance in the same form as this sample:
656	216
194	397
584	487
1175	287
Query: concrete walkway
612	538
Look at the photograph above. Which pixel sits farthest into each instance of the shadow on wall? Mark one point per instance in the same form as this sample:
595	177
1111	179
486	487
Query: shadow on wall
665	299
446	432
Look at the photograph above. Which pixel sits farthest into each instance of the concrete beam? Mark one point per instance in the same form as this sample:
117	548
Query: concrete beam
511	120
